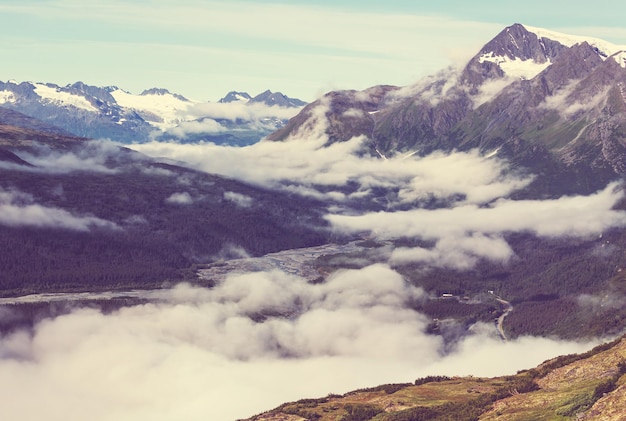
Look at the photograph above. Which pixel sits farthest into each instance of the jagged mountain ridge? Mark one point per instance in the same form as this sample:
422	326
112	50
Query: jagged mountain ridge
551	102
111	112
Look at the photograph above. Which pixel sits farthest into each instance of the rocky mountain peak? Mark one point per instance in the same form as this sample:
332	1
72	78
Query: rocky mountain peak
517	42
551	102
236	96
96	92
277	98
515	52
162	92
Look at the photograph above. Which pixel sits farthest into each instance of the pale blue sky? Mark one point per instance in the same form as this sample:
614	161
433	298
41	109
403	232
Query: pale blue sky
203	49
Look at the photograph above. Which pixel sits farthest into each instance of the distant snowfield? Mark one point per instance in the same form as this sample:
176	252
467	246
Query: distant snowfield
162	111
6	96
63	98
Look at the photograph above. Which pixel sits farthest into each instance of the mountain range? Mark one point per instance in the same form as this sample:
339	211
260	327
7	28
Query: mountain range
540	111
78	214
547	101
113	113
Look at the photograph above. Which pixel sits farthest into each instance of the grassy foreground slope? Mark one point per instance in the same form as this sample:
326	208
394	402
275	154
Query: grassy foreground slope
589	386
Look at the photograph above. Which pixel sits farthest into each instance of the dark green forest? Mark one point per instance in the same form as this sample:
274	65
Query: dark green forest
156	241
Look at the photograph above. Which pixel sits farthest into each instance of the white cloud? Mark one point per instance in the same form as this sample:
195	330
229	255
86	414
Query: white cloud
490	89
197	355
252	116
466	233
241	111
303	162
89	156
473	187
180	198
239	199
206	125
17	209
603	302
567	105
457	253
566	216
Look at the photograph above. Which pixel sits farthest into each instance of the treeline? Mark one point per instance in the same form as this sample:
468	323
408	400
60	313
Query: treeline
543	281
470	409
540	266
158	241
565	317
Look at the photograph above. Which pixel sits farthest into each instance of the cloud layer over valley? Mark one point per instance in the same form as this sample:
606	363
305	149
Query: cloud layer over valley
459	201
259	339
248	344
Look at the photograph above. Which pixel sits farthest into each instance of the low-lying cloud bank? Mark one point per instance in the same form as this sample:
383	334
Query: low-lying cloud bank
302	166
476	189
18	209
208	118
464	234
92	156
247	345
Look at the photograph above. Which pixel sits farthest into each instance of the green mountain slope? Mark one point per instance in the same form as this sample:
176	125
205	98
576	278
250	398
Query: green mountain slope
589	386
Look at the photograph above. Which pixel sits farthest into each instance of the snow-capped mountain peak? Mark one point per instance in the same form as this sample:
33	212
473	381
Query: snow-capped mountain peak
235	96
117	114
159	107
519	53
54	94
523	51
604	48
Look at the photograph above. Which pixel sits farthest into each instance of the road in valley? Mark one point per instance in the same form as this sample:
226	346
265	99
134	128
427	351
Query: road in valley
500	320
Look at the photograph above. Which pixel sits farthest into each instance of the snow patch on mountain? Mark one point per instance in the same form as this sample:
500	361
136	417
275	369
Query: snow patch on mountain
6	96
518	68
161	110
235	96
241	98
620	58
56	96
604	48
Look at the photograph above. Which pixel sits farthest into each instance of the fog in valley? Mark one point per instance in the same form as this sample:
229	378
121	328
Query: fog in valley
256	340
247	345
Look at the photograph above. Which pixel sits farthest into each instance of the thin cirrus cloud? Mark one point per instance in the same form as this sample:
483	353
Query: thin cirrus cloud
242	44
206	354
224	41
